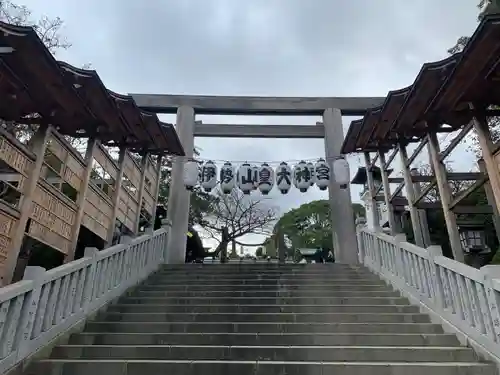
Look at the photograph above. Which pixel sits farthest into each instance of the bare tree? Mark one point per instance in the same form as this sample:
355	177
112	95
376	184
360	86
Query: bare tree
477	197
484	7
235	215
48	29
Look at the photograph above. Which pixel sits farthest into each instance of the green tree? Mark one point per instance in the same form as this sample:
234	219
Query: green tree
200	202
309	225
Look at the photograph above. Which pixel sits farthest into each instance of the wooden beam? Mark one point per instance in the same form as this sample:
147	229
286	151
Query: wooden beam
391	158
491	199
452	176
82	195
256	105
157	188
39	145
473	210
464	194
445	195
398	190
387	195
429	205
487	148
259	131
424	192
410	194
143	166
371	192
374	161
396	180
417	151
116	194
455	142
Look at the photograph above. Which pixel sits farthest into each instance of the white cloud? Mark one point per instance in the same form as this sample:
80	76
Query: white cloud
261	47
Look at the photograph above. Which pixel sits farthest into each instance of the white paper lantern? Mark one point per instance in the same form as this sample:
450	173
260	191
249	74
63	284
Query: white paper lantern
208	176
265	178
322	174
283	177
245	178
341	172
302	176
310	166
255	171
227	178
190	174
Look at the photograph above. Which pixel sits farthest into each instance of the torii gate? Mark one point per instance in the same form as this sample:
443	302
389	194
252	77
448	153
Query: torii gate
330	108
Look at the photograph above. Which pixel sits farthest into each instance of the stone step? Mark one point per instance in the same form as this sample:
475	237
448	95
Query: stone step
253	339
267	353
366	317
201	288
189	367
361	300
295	284
263	275
266	327
265	281
269	293
253	309
260	267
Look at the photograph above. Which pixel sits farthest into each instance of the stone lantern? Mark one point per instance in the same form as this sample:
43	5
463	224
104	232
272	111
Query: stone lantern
473	241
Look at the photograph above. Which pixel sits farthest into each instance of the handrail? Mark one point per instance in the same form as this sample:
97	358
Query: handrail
45	304
465	297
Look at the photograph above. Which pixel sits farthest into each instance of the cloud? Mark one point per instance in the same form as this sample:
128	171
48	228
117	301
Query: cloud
260	47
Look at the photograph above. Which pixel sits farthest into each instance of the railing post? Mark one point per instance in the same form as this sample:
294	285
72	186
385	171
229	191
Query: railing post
438	296
129	270
400	271
167	224
90	279
28	313
360	224
490	273
377	258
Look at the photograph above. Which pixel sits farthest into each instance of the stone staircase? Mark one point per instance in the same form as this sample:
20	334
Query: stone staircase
262	319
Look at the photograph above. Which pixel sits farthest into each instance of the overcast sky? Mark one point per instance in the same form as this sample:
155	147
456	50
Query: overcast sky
260	47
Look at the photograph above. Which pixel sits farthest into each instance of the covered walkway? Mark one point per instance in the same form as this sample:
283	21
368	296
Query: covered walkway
46	307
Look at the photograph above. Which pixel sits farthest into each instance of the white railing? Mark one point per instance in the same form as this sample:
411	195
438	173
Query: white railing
464	298
46	304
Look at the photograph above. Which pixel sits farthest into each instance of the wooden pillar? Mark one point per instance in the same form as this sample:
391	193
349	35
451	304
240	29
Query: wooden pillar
486	144
38	146
491	200
89	159
410	195
144	164
387	194
157	189
422	214
116	194
445	197
371	191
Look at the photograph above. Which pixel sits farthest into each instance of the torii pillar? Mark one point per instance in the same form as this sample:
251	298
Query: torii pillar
179	196
343	228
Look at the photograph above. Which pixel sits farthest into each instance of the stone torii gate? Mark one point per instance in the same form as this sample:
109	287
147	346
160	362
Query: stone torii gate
331	109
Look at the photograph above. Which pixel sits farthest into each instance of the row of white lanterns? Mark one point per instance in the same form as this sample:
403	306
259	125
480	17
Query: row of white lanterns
251	177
